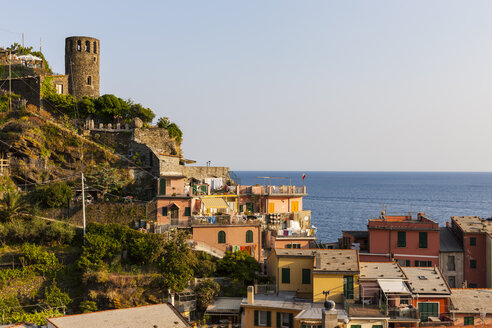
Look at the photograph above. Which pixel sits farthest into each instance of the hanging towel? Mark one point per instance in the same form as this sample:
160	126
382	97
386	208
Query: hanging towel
212	220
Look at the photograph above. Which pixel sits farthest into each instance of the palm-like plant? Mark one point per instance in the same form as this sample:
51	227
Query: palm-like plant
13	206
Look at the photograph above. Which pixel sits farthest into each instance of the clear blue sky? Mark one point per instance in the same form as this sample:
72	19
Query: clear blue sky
293	85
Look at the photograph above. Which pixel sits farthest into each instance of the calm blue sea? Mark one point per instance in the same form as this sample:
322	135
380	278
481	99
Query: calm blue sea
346	200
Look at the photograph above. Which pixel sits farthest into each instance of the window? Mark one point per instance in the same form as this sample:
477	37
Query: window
469	321
164	211
187	211
377	326
263	318
87	46
249	236
306	276
222	237
174	212
451	266
473	241
423	263
249	207
59	88
422	239
348	287
285	320
402	239
355	326
95	47
311	326
427	310
473	264
89	80
241	207
79	45
452	281
285	275
162	186
472	285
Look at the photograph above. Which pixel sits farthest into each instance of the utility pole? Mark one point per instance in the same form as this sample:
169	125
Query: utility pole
10	79
83	203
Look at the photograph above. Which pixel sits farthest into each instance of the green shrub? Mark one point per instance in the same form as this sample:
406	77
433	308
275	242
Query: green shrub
53	195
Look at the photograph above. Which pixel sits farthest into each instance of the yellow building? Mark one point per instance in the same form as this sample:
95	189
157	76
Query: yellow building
316	274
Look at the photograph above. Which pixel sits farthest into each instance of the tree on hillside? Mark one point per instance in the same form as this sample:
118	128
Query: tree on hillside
205	292
110	107
177	263
106	178
239	265
56	194
13	206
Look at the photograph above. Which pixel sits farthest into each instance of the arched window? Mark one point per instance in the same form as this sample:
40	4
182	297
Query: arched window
79	45
222	237
249	236
87	46
89	80
95	47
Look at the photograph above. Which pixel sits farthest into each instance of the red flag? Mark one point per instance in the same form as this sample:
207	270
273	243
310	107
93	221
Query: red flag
303	176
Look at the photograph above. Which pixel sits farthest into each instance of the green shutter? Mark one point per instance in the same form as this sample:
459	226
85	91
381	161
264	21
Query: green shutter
221	237
303	326
288	245
204	189
285	275
187	211
355	326
469	321
306	276
473	264
256	317
422	239
279	318
162	186
241	206
249	207
164	211
402	239
473	241
291	320
269	319
377	326
348	287
249	236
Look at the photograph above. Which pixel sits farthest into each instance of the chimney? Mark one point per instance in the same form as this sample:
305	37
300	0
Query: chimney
329	318
251	295
447	224
170	299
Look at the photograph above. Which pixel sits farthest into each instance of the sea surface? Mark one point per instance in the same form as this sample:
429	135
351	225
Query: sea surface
346	200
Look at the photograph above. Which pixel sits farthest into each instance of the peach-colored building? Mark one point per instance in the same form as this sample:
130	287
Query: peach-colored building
295	240
174	206
230	237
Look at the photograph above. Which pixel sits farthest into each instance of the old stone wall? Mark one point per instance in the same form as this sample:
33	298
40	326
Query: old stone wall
58	80
82	66
28	88
156	139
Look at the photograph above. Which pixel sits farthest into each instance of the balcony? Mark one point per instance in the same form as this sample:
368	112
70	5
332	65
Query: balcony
272	190
359	309
223	219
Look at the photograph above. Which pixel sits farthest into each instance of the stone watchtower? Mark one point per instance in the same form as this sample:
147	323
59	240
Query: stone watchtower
82	66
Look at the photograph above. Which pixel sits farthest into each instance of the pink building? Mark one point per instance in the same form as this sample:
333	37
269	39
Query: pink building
229	237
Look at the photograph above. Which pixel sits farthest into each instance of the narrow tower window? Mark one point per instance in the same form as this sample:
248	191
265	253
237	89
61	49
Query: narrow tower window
95	47
87	46
79	45
89	80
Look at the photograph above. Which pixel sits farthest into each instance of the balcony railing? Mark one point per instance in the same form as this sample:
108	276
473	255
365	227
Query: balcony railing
354	308
222	219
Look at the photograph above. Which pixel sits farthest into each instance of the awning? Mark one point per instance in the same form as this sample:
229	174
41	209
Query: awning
214	202
393	286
